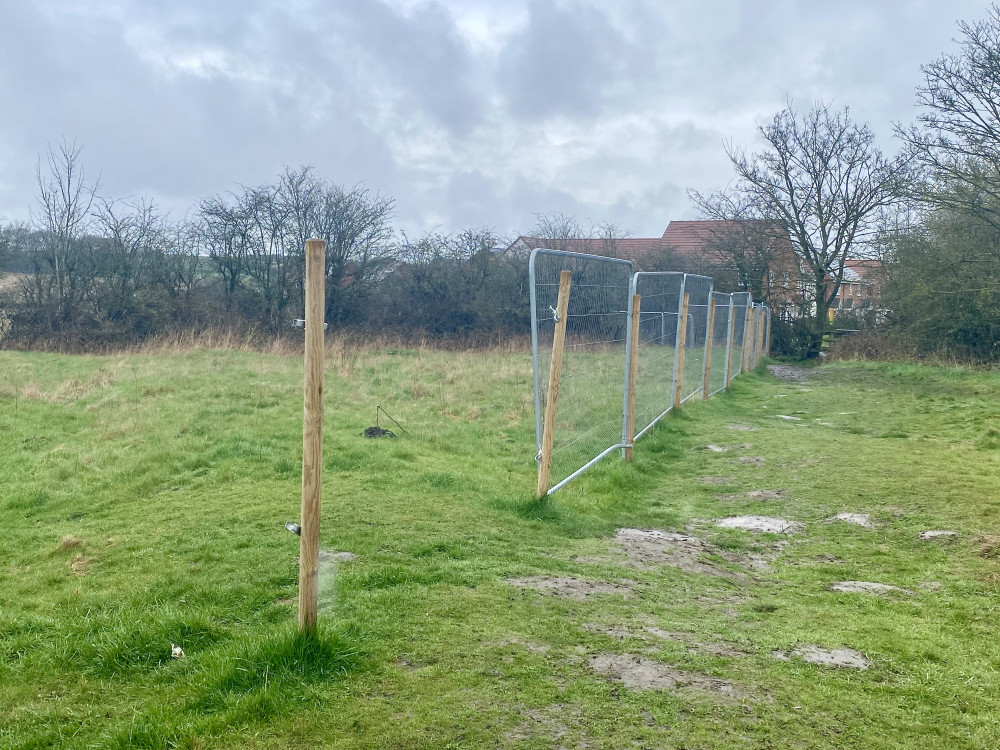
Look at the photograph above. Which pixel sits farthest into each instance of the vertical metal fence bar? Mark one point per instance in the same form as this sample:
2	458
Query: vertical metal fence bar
627	388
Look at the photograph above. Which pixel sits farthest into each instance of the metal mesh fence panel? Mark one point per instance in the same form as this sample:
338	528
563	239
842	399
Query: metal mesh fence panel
588	424
720	341
742	302
660	307
699	291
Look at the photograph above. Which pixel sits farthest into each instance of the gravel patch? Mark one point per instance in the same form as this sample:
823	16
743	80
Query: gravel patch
640	673
571	588
760	524
866	587
789	372
860	519
929	536
846	658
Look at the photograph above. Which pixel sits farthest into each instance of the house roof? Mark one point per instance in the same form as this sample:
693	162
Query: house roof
689	239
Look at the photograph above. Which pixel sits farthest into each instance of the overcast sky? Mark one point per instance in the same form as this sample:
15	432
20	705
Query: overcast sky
467	112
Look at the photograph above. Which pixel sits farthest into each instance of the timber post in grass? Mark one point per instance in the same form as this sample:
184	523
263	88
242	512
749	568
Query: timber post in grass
709	341
312	436
679	353
555	372
633	375
729	346
745	352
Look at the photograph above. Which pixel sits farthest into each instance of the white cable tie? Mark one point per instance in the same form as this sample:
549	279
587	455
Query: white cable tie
555	315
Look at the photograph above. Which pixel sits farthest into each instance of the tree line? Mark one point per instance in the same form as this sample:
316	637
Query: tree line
91	271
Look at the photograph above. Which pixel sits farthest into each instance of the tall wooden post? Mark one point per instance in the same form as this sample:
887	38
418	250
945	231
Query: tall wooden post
747	343
679	352
555	371
729	346
709	342
760	334
312	436
633	375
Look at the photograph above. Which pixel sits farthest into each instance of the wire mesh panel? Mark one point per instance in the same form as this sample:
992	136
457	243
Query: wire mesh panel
742	302
720	342
659	310
699	291
588	424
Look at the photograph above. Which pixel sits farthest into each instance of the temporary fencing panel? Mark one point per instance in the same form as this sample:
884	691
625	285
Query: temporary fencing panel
720	341
594	386
742	307
660	308
699	292
588	417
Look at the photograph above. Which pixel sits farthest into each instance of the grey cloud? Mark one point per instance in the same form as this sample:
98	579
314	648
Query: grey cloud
562	63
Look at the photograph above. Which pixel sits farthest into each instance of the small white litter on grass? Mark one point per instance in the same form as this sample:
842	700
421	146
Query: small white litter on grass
836	657
760	524
176	652
861	519
866	587
929	536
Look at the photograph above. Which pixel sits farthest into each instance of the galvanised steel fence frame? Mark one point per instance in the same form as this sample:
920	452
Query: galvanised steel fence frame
623	328
587	414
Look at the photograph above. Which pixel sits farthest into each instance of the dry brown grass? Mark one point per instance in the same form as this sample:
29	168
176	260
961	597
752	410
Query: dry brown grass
70	542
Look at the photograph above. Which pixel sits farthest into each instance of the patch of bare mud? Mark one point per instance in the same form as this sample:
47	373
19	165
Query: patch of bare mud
858	519
648	549
741	427
571	588
866	587
763	495
640	673
846	658
761	524
755	460
789	372
716	448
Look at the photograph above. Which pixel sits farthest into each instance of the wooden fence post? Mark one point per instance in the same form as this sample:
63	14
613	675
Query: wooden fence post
729	345
312	436
679	351
747	344
555	372
709	342
633	375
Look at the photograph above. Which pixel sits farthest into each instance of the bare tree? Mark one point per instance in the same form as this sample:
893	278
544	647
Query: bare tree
133	242
957	138
822	178
64	262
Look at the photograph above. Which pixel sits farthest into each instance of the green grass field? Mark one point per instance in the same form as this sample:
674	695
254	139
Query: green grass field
143	498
